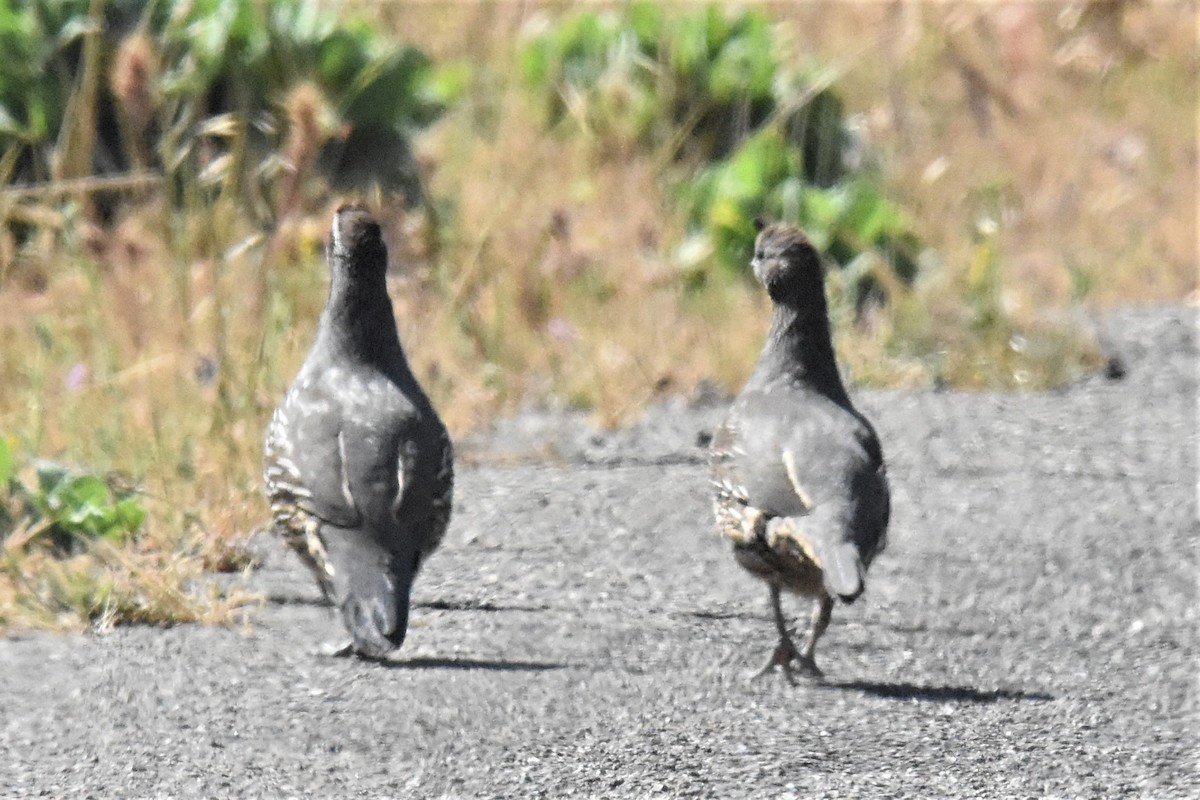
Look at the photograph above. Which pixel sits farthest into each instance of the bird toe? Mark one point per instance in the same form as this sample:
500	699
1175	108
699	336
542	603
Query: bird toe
336	650
782	656
809	667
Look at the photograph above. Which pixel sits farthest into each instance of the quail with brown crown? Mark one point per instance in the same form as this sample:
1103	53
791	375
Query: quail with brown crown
358	466
801	488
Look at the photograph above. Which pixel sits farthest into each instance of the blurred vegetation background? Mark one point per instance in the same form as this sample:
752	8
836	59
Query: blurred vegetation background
568	193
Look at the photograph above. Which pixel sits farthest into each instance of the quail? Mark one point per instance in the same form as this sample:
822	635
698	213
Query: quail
801	488
358	466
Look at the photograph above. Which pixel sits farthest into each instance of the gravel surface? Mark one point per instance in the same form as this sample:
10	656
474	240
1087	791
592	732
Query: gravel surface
1030	632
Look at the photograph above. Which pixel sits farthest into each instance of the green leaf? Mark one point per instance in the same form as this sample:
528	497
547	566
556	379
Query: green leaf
130	515
727	214
445	84
745	65
534	61
80	502
867	213
689	46
7	468
823	208
646	20
717	29
209	35
755	168
385	92
583	49
340	58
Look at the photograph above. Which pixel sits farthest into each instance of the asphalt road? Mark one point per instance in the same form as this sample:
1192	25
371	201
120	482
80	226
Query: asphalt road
1031	631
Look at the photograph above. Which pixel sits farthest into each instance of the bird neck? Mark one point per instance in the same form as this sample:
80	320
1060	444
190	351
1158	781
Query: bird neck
799	348
359	322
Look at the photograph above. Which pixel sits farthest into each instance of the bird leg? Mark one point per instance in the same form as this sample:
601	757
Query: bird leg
785	652
822	611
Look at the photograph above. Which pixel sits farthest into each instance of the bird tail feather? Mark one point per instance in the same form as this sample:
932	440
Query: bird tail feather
841	563
839	555
373	595
842	568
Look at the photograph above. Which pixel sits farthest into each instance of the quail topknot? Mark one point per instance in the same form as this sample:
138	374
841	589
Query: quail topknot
801	488
358	466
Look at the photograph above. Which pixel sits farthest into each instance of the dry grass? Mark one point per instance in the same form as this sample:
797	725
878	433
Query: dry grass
1077	140
1050	158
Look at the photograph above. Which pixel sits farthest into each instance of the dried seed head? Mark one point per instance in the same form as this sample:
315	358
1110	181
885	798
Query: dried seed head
309	124
133	75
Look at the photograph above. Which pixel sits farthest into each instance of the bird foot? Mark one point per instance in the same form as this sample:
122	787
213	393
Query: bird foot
783	656
332	650
809	666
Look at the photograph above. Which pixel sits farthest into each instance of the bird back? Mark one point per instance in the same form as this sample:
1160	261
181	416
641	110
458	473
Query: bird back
811	470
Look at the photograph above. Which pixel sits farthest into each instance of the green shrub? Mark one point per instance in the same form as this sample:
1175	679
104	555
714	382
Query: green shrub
65	507
173	83
852	223
693	83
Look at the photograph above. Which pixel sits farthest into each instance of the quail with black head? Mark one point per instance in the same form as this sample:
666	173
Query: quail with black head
358	466
801	488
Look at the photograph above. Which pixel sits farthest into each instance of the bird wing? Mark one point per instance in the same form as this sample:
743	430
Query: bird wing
839	477
798	449
442	495
774	440
379	464
306	456
815	469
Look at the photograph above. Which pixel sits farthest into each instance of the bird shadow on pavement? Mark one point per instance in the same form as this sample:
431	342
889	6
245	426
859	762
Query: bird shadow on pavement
316	601
475	605
468	664
937	694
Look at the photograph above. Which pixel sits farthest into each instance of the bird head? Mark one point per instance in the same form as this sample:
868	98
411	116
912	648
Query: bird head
786	263
357	240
